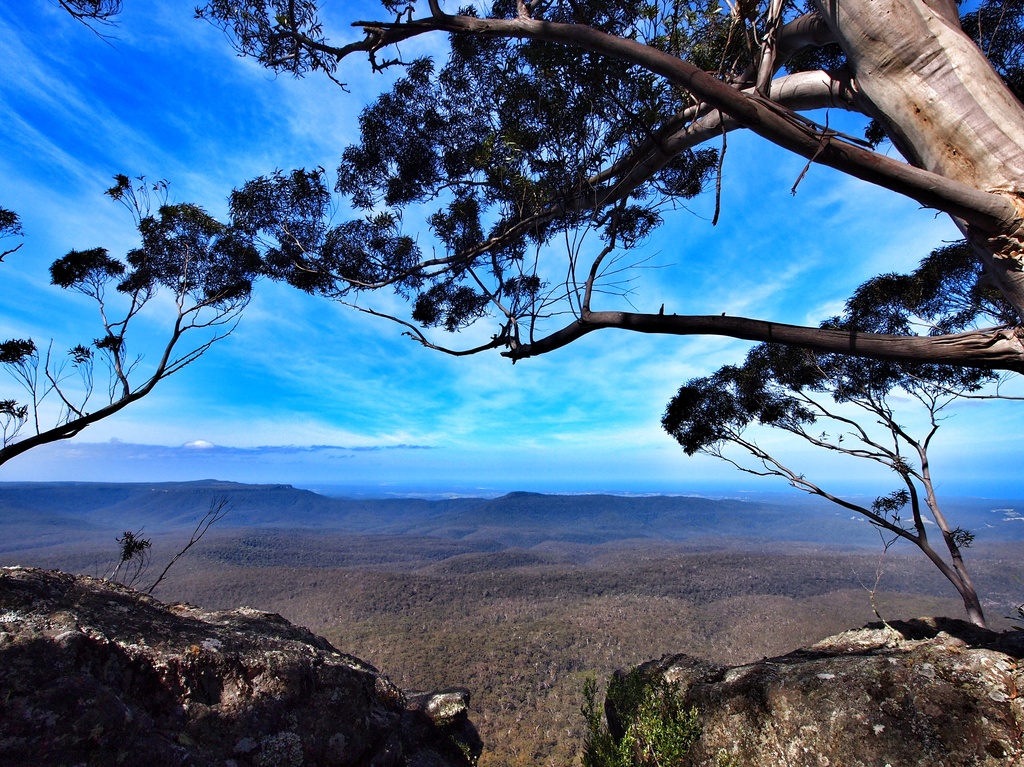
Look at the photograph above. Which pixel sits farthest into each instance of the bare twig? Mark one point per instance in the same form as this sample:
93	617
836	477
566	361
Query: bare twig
219	508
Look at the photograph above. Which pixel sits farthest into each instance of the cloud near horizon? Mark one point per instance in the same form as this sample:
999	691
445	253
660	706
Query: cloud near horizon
132	461
209	447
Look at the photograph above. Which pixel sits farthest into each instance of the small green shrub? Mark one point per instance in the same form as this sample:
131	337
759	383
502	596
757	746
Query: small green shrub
658	730
134	553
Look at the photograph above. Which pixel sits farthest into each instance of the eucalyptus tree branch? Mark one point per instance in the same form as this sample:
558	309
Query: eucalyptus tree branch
116	331
166	366
999	348
959	393
800	482
595	269
989	212
915	510
874	450
802	90
697	124
9	251
955	574
88	11
416	334
614	185
55	378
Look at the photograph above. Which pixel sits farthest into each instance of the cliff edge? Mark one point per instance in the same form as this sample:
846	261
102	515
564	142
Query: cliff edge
95	673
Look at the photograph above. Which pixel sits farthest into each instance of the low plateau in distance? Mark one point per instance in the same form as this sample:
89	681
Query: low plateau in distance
32	511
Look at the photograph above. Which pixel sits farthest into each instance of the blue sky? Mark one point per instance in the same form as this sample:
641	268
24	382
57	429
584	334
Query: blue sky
311	393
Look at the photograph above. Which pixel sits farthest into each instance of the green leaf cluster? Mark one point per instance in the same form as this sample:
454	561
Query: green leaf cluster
16	350
10	223
275	32
946	293
190	252
132	545
10	408
183	249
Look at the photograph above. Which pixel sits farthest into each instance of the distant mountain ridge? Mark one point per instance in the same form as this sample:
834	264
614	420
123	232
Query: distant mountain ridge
31	512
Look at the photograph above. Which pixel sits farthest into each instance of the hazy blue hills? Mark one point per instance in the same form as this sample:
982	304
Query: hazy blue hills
33	514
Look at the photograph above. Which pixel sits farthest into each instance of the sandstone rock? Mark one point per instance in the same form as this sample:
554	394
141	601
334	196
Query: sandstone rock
932	692
92	673
442	707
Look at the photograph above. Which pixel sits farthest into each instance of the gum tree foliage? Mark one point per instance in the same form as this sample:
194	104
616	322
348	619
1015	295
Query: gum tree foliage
10	226
134	557
858	408
97	15
92	11
552	121
207	269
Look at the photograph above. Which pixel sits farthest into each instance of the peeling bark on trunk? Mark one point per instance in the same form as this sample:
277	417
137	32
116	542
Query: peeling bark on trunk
944	108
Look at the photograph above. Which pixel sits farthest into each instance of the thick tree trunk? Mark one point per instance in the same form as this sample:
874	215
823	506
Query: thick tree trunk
943	106
961	582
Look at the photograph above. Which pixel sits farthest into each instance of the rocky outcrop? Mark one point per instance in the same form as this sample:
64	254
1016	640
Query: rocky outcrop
928	692
92	673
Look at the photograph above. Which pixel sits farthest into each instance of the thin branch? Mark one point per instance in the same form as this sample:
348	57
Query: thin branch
415	333
718	175
219	508
800	482
15	249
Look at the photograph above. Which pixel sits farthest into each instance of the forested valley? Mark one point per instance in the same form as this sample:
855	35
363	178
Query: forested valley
513	609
